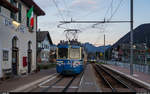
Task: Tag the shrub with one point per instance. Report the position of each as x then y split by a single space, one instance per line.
46 66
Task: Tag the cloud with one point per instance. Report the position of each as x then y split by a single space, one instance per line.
76 2
44 4
84 4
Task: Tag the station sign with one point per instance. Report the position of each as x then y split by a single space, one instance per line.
8 23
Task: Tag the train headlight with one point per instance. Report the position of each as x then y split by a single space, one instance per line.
78 63
75 64
59 63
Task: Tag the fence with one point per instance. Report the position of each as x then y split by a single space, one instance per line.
136 67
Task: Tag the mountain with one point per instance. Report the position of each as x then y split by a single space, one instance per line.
93 49
141 34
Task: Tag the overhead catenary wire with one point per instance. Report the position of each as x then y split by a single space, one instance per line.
116 10
112 13
61 14
67 11
73 26
66 6
110 6
59 11
107 11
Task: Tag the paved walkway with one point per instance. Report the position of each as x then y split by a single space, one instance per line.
15 83
139 75
88 81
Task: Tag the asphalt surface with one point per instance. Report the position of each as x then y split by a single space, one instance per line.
18 82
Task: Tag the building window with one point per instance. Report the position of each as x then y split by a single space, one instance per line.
43 46
27 20
19 14
39 45
43 55
14 42
29 44
0 8
5 55
12 14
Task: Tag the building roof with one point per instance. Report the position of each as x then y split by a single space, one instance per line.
41 35
37 9
8 5
28 3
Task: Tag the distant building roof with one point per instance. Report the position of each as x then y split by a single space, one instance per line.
41 35
37 9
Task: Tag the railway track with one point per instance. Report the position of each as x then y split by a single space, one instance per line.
112 82
59 83
133 85
61 79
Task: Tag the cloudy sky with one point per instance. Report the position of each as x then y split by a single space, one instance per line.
59 10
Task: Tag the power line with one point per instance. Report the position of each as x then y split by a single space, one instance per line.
116 10
112 13
59 11
66 6
108 9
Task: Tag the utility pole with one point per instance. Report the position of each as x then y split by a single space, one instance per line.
104 50
131 38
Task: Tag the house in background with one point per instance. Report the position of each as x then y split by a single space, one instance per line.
44 43
53 53
17 40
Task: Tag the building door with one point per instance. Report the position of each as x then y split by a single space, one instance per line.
15 61
29 57
29 60
15 58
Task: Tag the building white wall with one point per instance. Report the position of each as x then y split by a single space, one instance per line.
8 32
0 60
45 51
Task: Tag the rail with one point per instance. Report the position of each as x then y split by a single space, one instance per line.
108 78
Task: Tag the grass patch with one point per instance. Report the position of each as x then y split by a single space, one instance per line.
46 66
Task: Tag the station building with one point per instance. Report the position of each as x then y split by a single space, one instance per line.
17 40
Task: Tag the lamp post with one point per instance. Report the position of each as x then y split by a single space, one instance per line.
104 50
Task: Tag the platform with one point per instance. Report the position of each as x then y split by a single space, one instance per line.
88 81
137 77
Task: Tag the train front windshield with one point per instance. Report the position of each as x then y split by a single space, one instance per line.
62 53
75 53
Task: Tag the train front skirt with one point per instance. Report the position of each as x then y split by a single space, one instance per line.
69 67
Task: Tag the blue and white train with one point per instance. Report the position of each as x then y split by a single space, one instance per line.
69 59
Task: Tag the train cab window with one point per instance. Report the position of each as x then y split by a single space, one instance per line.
63 53
75 53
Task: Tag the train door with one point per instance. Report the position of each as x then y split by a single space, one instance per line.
59 66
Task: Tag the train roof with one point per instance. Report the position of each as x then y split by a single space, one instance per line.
68 46
63 46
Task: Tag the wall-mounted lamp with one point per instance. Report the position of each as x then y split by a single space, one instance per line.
16 23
